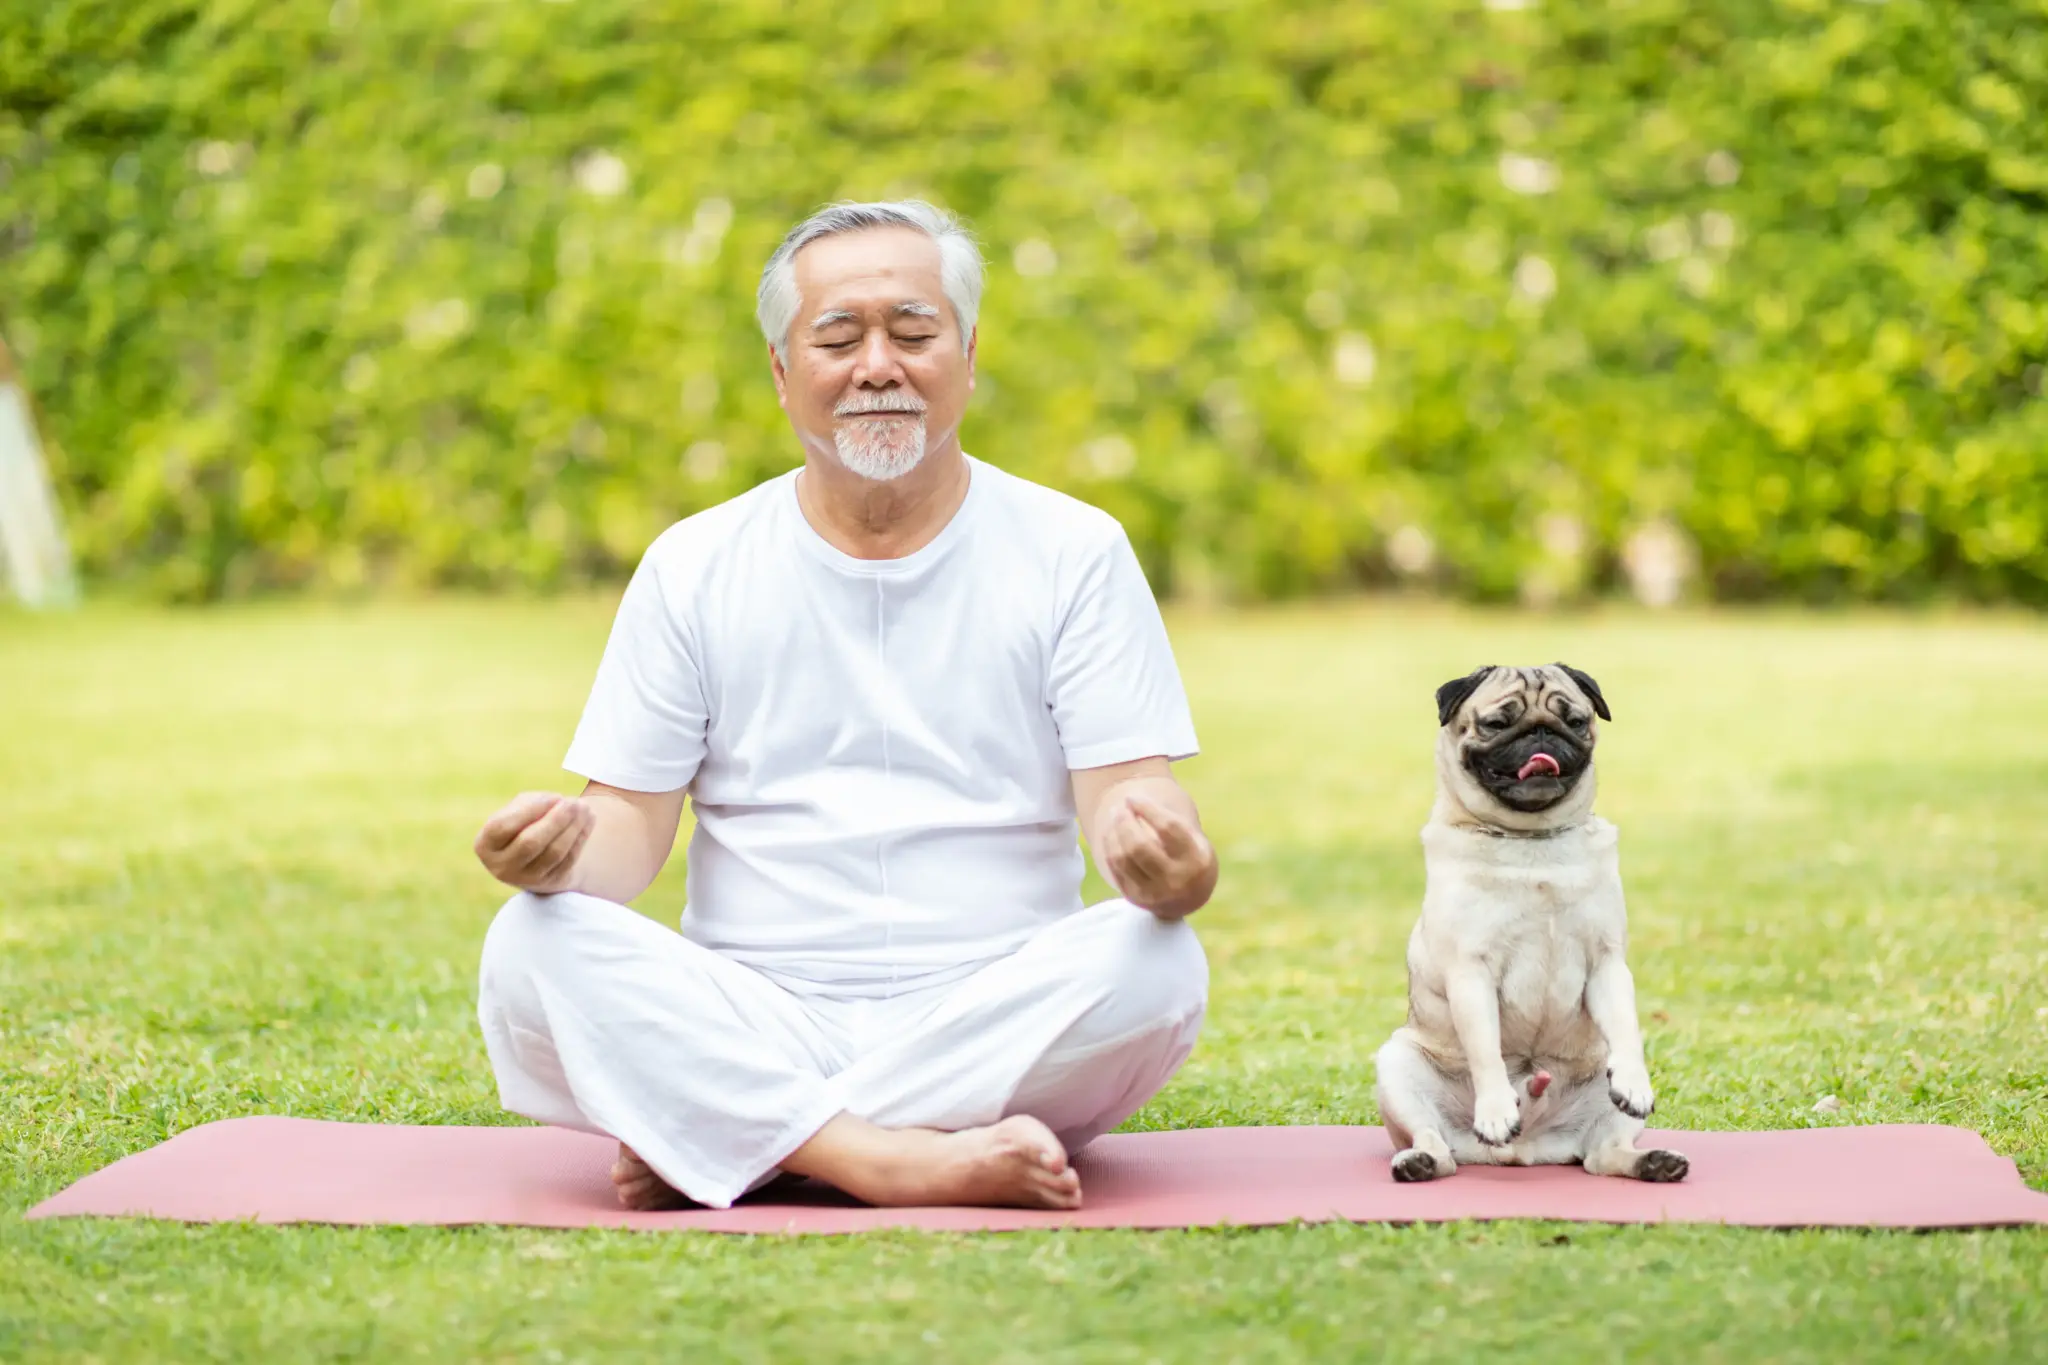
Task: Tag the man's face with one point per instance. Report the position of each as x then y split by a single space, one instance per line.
876 376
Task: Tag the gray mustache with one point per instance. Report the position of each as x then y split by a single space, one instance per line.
884 407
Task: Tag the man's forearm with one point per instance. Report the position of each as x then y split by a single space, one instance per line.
627 846
1165 791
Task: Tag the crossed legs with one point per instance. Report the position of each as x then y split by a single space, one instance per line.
715 1081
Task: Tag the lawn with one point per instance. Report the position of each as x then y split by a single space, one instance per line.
235 879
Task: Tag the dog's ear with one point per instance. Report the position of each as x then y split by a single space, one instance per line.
1452 694
1591 689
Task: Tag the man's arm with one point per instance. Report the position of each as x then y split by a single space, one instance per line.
629 843
1146 835
608 842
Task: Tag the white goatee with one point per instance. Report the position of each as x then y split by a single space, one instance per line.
880 448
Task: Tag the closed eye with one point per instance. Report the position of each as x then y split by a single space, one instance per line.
1568 713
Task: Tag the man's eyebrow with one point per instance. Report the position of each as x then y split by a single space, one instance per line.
832 316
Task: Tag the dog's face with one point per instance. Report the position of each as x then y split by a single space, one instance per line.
1517 743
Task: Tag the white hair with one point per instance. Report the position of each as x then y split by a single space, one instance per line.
960 264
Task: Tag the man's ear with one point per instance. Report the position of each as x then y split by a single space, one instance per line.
1452 694
1591 689
780 374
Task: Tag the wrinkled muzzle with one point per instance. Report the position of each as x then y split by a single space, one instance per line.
1529 770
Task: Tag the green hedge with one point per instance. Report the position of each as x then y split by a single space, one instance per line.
335 295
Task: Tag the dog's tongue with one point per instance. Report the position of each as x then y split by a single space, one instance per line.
1538 763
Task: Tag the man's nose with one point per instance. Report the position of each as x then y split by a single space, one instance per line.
878 365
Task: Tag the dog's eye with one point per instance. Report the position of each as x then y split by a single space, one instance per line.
1493 725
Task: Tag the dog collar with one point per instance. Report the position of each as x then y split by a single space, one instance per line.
1496 832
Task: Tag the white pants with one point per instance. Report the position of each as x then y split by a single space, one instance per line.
599 1019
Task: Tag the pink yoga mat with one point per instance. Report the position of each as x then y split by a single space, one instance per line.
281 1170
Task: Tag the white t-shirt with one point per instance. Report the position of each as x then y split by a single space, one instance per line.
877 751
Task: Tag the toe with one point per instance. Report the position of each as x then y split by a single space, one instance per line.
1662 1167
1634 1106
1061 1191
1414 1165
653 1196
1039 1139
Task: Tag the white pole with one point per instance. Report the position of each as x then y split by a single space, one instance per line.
38 558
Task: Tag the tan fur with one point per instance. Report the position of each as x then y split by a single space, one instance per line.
1518 965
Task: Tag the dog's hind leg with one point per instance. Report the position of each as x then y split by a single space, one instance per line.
1411 1095
1611 1150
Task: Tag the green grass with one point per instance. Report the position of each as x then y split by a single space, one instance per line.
235 879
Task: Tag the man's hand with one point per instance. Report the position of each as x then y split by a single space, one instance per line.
534 841
1155 857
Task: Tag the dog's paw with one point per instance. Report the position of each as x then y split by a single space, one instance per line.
1660 1167
1497 1119
1630 1091
1416 1165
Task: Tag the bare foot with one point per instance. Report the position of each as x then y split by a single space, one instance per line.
1016 1163
639 1187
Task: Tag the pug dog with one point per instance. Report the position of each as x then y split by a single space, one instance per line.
1521 1046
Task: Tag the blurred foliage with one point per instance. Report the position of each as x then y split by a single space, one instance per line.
1511 299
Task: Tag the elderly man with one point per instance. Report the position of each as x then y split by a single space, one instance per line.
890 682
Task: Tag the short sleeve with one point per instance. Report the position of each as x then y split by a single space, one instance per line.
1114 688
643 727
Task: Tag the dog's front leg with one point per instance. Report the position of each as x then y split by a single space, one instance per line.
1611 1000
1475 1013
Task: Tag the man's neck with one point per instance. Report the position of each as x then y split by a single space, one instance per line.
870 520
